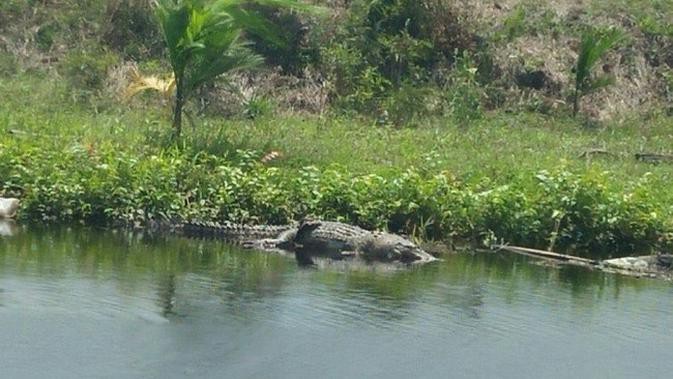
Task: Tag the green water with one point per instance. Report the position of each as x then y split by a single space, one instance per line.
101 304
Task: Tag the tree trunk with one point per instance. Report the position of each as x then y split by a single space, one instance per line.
177 112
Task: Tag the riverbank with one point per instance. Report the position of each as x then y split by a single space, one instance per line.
524 179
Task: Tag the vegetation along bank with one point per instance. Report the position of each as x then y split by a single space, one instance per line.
542 124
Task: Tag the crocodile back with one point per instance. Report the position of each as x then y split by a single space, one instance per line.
329 231
233 231
334 238
328 238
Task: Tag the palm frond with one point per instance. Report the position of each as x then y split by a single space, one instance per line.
204 41
140 83
595 43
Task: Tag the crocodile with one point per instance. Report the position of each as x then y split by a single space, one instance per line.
335 240
655 266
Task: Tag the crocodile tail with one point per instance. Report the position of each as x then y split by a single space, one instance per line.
232 231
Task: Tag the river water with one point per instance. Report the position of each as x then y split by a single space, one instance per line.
104 304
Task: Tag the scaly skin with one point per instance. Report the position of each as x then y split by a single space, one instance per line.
335 240
233 231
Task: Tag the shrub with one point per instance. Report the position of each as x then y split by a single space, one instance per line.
389 44
298 48
584 215
132 29
107 183
464 94
46 35
354 84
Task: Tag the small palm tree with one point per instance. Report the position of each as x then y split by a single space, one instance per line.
595 43
204 40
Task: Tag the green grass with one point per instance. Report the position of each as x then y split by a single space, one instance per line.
513 177
499 147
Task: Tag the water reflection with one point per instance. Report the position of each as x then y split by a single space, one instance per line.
179 268
212 310
8 228
166 295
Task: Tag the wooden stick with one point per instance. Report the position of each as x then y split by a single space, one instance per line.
545 254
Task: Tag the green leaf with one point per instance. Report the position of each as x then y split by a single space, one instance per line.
204 39
595 43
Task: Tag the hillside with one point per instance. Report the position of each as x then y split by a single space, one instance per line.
523 51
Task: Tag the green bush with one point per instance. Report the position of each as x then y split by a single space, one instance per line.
354 84
132 30
587 216
389 44
105 183
299 47
46 35
464 93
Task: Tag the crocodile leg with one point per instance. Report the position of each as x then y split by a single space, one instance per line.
284 242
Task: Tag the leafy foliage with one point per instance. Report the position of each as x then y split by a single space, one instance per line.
299 47
388 44
204 41
390 58
595 43
131 29
105 184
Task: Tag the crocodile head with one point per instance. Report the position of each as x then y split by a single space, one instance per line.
393 248
408 252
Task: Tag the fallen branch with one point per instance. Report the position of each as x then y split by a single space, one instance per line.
650 266
546 255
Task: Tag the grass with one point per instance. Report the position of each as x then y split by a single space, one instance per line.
498 147
514 177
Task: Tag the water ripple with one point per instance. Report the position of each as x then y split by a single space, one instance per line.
207 307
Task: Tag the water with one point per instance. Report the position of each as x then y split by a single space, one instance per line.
100 304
